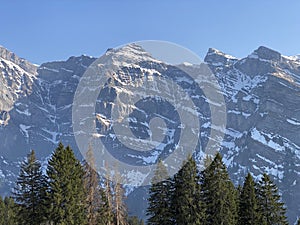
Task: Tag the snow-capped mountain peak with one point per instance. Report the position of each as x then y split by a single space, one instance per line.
132 52
217 58
265 53
22 63
214 51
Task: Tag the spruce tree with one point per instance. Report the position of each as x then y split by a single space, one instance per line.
186 201
30 191
159 202
238 197
66 197
270 205
218 194
248 207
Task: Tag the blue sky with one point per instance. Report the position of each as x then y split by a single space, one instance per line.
50 30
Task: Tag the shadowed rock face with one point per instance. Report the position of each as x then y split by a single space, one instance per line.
262 96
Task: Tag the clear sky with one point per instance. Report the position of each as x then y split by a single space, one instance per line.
50 30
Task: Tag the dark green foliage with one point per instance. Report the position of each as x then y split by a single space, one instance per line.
186 199
248 207
71 194
2 208
218 194
159 209
66 199
9 213
30 192
298 223
238 195
270 205
133 220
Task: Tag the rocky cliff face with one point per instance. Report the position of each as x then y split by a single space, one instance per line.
261 91
16 80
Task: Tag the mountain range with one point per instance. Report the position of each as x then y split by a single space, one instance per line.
261 92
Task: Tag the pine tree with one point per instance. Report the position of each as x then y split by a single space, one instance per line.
95 196
66 188
10 211
218 194
107 214
160 192
270 205
120 209
248 207
186 201
30 191
298 223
